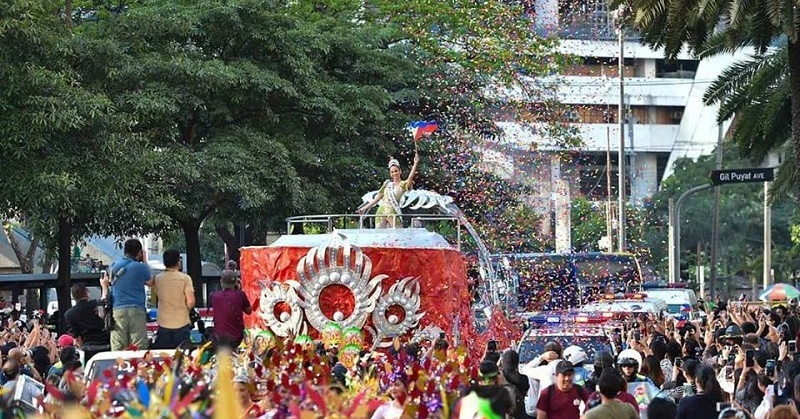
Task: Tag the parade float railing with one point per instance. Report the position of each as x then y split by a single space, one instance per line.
446 219
328 223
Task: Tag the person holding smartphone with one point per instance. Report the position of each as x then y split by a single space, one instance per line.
748 394
84 324
704 403
129 276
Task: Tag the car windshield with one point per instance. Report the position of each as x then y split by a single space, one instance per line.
675 308
533 345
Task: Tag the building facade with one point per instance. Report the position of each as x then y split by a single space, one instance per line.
665 117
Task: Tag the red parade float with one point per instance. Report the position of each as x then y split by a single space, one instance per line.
408 282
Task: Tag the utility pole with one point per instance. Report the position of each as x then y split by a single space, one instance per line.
609 200
675 230
715 221
767 238
673 271
621 120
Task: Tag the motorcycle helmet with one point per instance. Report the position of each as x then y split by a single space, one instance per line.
629 357
575 354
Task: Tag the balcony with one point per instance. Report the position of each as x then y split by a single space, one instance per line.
646 137
639 91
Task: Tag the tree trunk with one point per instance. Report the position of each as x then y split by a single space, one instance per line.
68 13
242 236
194 263
230 240
25 258
64 270
794 96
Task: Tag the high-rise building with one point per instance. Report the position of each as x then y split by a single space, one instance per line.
665 117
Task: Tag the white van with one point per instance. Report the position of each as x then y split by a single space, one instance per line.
681 302
613 306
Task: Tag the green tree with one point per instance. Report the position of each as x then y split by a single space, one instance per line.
211 246
756 92
711 27
588 223
252 106
741 219
66 147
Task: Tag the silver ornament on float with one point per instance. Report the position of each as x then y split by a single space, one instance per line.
406 295
320 268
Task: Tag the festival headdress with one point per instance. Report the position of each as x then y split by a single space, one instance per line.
394 162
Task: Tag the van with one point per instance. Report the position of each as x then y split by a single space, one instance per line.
681 302
627 304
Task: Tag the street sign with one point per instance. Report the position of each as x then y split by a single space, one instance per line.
728 176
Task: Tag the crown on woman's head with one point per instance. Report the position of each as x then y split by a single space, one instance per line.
394 162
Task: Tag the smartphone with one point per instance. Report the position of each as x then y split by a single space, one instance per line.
792 346
723 406
688 390
637 335
678 362
731 358
770 367
729 373
748 358
492 346
441 335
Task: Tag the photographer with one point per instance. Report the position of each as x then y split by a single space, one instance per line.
130 275
83 322
229 307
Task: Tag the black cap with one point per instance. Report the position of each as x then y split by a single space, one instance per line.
488 369
564 367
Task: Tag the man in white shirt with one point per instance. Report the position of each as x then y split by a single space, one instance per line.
540 374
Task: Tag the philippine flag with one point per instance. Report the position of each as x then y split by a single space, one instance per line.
422 128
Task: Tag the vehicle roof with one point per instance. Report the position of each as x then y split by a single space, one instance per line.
669 294
569 330
417 238
131 354
648 303
571 256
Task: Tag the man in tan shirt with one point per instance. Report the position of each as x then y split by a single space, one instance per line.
174 293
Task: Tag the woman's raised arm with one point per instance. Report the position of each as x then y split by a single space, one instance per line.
413 171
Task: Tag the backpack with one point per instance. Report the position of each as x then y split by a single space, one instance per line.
518 397
106 307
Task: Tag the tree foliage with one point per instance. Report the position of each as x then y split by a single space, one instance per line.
68 169
741 224
762 90
252 107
